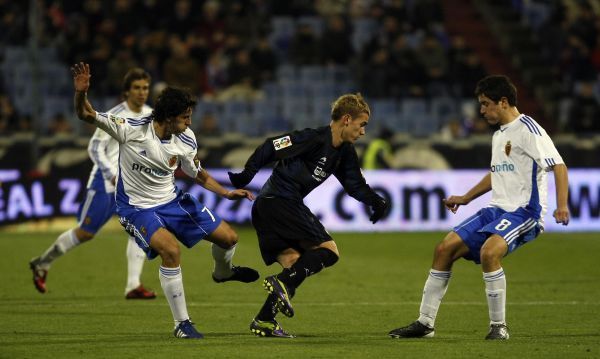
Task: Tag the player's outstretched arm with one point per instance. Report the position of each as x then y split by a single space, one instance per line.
81 82
204 179
453 202
561 180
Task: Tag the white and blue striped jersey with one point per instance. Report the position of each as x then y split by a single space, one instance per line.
146 163
522 154
104 151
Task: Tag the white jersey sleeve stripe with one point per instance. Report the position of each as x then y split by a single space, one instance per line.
531 127
534 124
187 141
190 139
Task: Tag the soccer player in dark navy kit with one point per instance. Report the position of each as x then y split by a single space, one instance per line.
288 232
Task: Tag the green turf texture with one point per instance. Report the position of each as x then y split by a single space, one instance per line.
343 312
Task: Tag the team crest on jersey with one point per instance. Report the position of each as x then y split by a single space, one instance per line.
87 220
282 142
117 120
143 230
507 148
172 161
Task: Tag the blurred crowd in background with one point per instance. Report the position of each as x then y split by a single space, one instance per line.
269 65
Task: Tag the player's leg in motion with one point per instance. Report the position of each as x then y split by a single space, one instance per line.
445 254
264 324
171 281
224 240
135 263
492 252
65 242
283 285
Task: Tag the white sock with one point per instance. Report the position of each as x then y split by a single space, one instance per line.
135 262
222 259
495 290
172 284
64 243
433 293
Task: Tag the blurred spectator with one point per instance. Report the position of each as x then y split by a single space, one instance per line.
59 125
8 115
209 126
335 44
265 60
181 70
24 125
432 57
408 79
304 47
215 74
584 115
378 154
466 73
117 68
182 21
211 27
377 75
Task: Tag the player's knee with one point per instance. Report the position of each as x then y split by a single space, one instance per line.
442 250
83 236
230 239
328 257
489 256
170 254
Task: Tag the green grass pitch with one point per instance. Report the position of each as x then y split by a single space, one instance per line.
345 311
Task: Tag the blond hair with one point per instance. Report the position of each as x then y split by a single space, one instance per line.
351 104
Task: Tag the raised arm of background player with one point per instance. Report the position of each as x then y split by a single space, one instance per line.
348 172
85 112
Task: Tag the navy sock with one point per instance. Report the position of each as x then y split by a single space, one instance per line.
311 262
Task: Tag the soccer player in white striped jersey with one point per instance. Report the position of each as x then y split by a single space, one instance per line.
99 204
522 154
150 206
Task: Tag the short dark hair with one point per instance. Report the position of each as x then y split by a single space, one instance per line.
172 102
495 87
352 104
135 74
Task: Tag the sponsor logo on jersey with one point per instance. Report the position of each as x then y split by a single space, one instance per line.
117 120
172 161
322 160
143 153
141 168
507 148
282 142
503 167
319 174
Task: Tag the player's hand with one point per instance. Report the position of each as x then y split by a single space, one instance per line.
562 215
239 180
380 208
81 76
239 193
453 202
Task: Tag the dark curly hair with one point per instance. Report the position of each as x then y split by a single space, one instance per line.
172 102
497 86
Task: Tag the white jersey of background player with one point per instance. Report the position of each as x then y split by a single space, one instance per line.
99 203
150 206
522 153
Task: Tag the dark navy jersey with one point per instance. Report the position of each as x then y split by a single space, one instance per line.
305 159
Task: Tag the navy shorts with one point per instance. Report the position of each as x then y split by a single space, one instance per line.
282 223
96 210
189 220
517 228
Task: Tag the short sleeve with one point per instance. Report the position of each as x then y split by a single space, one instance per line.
117 127
541 148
